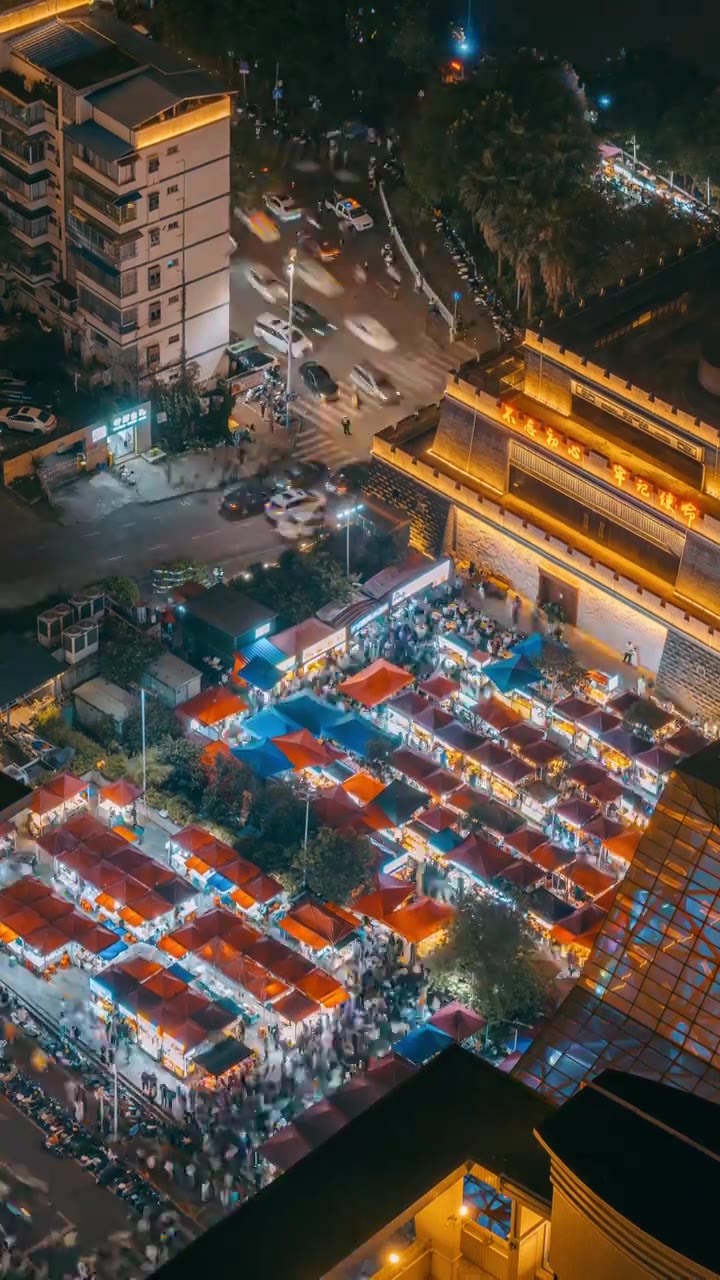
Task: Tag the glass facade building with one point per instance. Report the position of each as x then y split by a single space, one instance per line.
648 999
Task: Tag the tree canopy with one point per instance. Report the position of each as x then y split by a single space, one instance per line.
298 585
126 652
488 961
334 865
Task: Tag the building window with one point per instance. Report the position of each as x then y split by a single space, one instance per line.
153 355
172 262
154 238
153 202
153 164
175 338
154 278
174 297
172 151
171 191
173 226
155 313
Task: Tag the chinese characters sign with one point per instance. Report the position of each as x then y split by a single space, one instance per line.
681 509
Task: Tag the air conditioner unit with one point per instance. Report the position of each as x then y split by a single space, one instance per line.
52 623
89 604
80 640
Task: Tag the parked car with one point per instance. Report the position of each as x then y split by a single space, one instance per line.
247 500
28 418
318 381
276 333
374 383
290 501
265 282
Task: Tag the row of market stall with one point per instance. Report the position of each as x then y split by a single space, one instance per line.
45 932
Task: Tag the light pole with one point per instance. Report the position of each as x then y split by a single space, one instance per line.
115 1100
142 726
456 298
347 516
291 277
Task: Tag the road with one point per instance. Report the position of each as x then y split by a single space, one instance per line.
47 560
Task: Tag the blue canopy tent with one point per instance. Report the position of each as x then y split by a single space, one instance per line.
531 646
113 951
512 674
307 711
263 757
399 801
261 674
422 1044
270 723
220 883
355 733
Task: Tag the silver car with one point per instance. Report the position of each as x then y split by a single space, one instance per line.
374 383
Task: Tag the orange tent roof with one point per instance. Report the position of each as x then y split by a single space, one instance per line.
588 877
295 1007
422 919
303 750
120 793
212 706
625 845
380 904
191 839
363 787
581 928
378 682
320 986
210 755
317 924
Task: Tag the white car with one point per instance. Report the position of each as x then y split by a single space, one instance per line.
316 276
300 526
263 281
276 333
24 417
259 223
371 331
350 212
290 502
282 207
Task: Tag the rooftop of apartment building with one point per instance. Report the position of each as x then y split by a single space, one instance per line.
134 79
642 1148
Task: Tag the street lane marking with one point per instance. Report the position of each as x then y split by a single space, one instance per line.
108 559
211 533
129 525
95 534
157 546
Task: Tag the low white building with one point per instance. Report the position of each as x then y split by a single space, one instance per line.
100 704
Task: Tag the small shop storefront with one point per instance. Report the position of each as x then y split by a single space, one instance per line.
126 434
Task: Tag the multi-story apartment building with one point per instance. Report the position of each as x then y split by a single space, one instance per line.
114 160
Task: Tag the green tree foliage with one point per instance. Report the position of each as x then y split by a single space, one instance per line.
187 776
191 416
124 591
488 962
299 585
125 652
160 723
334 865
229 797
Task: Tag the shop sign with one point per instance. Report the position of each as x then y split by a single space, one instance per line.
681 509
431 578
334 641
98 434
133 418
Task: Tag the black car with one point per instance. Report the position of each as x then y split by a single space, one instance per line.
309 320
318 381
247 500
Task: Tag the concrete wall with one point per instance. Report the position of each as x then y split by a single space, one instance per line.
611 622
690 676
699 575
470 442
428 511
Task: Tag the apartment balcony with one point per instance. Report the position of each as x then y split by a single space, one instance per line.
111 283
98 239
27 112
89 198
28 153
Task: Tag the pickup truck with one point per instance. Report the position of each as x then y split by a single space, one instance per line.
350 212
248 365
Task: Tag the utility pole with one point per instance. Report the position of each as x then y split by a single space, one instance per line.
115 1100
183 285
142 724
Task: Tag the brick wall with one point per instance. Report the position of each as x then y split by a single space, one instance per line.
699 575
690 675
428 511
470 442
547 382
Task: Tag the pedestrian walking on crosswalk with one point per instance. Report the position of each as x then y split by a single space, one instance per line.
346 426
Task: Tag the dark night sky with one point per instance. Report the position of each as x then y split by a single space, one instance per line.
581 29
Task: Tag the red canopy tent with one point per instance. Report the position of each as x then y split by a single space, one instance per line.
295 1007
551 857
439 687
363 787
625 846
285 1147
496 714
320 1122
437 817
457 1021
420 920
586 774
576 813
83 825
303 750
120 793
383 901
377 683
523 735
525 840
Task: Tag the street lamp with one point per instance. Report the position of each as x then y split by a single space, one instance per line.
291 276
347 516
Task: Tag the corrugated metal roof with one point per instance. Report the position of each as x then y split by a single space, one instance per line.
55 43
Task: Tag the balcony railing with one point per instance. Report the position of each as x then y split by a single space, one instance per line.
24 150
119 321
90 236
121 214
120 175
25 117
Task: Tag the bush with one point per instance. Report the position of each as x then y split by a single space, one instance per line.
177 809
50 725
